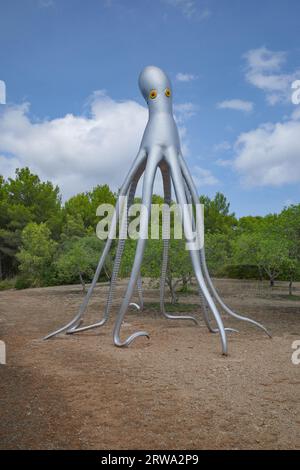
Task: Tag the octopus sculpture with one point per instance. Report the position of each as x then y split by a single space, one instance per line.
159 149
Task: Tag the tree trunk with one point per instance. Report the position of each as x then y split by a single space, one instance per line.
291 287
184 284
107 274
82 282
186 280
173 294
271 282
172 289
1 272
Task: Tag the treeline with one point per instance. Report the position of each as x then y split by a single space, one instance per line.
44 242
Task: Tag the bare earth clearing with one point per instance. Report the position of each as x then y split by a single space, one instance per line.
173 391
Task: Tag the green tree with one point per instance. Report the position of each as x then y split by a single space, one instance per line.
79 258
217 217
218 250
179 268
84 205
73 227
41 199
25 199
5 238
266 251
37 255
79 206
249 224
289 223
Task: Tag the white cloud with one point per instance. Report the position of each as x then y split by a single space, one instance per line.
237 105
265 60
222 146
288 202
45 3
78 152
2 92
184 111
224 163
296 114
204 14
190 9
186 77
263 70
75 152
270 154
203 177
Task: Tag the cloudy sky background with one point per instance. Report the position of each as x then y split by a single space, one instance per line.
74 114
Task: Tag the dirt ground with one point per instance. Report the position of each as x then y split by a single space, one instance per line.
174 391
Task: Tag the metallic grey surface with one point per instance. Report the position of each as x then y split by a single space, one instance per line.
202 298
191 186
223 305
135 305
140 291
167 200
73 324
172 157
117 261
160 148
150 171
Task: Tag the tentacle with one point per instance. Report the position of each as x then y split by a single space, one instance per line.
223 305
113 281
121 243
133 304
202 298
166 241
148 182
192 188
206 317
77 319
140 294
172 158
140 291
120 248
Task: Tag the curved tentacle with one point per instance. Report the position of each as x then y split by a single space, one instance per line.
223 305
139 286
140 292
77 319
206 317
148 182
166 241
135 305
192 188
202 298
121 244
172 158
118 257
113 280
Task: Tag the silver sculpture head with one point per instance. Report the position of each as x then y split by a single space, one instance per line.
156 88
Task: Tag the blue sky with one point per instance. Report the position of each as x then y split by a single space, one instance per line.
74 113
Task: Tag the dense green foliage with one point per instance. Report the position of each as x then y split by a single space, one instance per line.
44 242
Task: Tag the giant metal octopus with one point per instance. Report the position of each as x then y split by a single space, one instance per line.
160 148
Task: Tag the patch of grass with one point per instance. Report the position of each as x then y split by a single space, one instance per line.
180 307
7 284
186 292
22 283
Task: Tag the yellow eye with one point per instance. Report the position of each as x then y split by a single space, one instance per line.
168 92
153 94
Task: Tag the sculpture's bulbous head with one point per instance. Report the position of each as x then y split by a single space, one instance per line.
156 88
